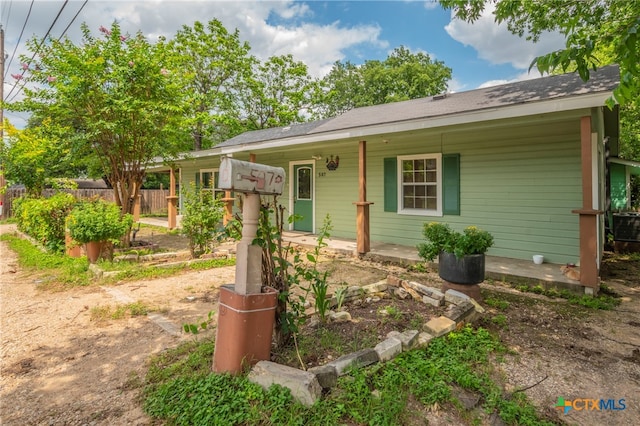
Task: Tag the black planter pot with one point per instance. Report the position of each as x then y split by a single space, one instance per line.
468 269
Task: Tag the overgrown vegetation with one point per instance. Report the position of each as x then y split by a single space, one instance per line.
180 389
136 271
201 220
60 272
43 219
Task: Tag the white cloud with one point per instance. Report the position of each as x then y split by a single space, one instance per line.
496 44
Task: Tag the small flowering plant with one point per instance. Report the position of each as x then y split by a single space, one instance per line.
440 237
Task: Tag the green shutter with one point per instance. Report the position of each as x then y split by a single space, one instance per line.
197 180
451 184
390 184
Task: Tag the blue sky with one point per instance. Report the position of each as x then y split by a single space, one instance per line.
315 32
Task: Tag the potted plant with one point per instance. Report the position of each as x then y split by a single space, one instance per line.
460 255
95 223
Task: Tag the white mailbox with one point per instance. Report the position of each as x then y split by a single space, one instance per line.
243 176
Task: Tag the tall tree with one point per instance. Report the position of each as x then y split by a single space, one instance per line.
278 93
35 156
590 26
114 94
401 76
211 63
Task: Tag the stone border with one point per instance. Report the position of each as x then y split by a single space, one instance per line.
306 386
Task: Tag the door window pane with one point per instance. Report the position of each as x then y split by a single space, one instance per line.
304 183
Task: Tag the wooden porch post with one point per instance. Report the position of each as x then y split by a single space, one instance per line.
362 205
172 200
588 215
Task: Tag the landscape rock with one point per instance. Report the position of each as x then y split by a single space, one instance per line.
358 359
433 302
463 311
304 386
326 374
455 296
393 281
375 287
388 349
410 290
423 339
401 293
341 316
439 326
409 338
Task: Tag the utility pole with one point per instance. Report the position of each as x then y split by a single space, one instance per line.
2 180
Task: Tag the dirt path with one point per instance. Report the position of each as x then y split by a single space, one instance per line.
58 367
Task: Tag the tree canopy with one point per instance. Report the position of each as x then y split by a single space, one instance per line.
212 65
115 96
401 76
589 27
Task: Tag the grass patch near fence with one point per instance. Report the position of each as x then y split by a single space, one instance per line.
179 389
55 271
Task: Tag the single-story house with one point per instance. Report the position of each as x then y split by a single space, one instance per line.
524 161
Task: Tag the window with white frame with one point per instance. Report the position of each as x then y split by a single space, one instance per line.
420 184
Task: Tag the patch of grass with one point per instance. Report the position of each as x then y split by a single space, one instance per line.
135 271
180 390
494 302
62 272
500 320
606 300
102 313
390 312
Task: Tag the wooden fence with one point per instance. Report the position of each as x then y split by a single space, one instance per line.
153 201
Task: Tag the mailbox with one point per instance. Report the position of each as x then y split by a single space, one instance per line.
254 178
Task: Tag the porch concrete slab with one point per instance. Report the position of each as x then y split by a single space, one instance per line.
497 268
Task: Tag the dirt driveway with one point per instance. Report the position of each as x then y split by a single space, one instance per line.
58 367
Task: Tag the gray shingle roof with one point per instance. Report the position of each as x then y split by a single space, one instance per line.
522 92
299 129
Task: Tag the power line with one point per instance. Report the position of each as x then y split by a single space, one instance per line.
74 18
6 71
36 52
8 13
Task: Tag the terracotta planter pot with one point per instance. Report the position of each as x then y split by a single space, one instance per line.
245 328
93 249
467 270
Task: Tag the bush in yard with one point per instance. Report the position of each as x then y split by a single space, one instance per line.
43 219
98 220
201 218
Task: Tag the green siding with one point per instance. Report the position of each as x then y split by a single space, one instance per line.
618 179
518 180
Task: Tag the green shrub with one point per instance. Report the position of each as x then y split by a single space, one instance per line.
440 237
98 220
43 219
201 218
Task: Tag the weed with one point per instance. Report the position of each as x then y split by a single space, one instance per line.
497 303
500 320
607 300
340 294
390 312
102 313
